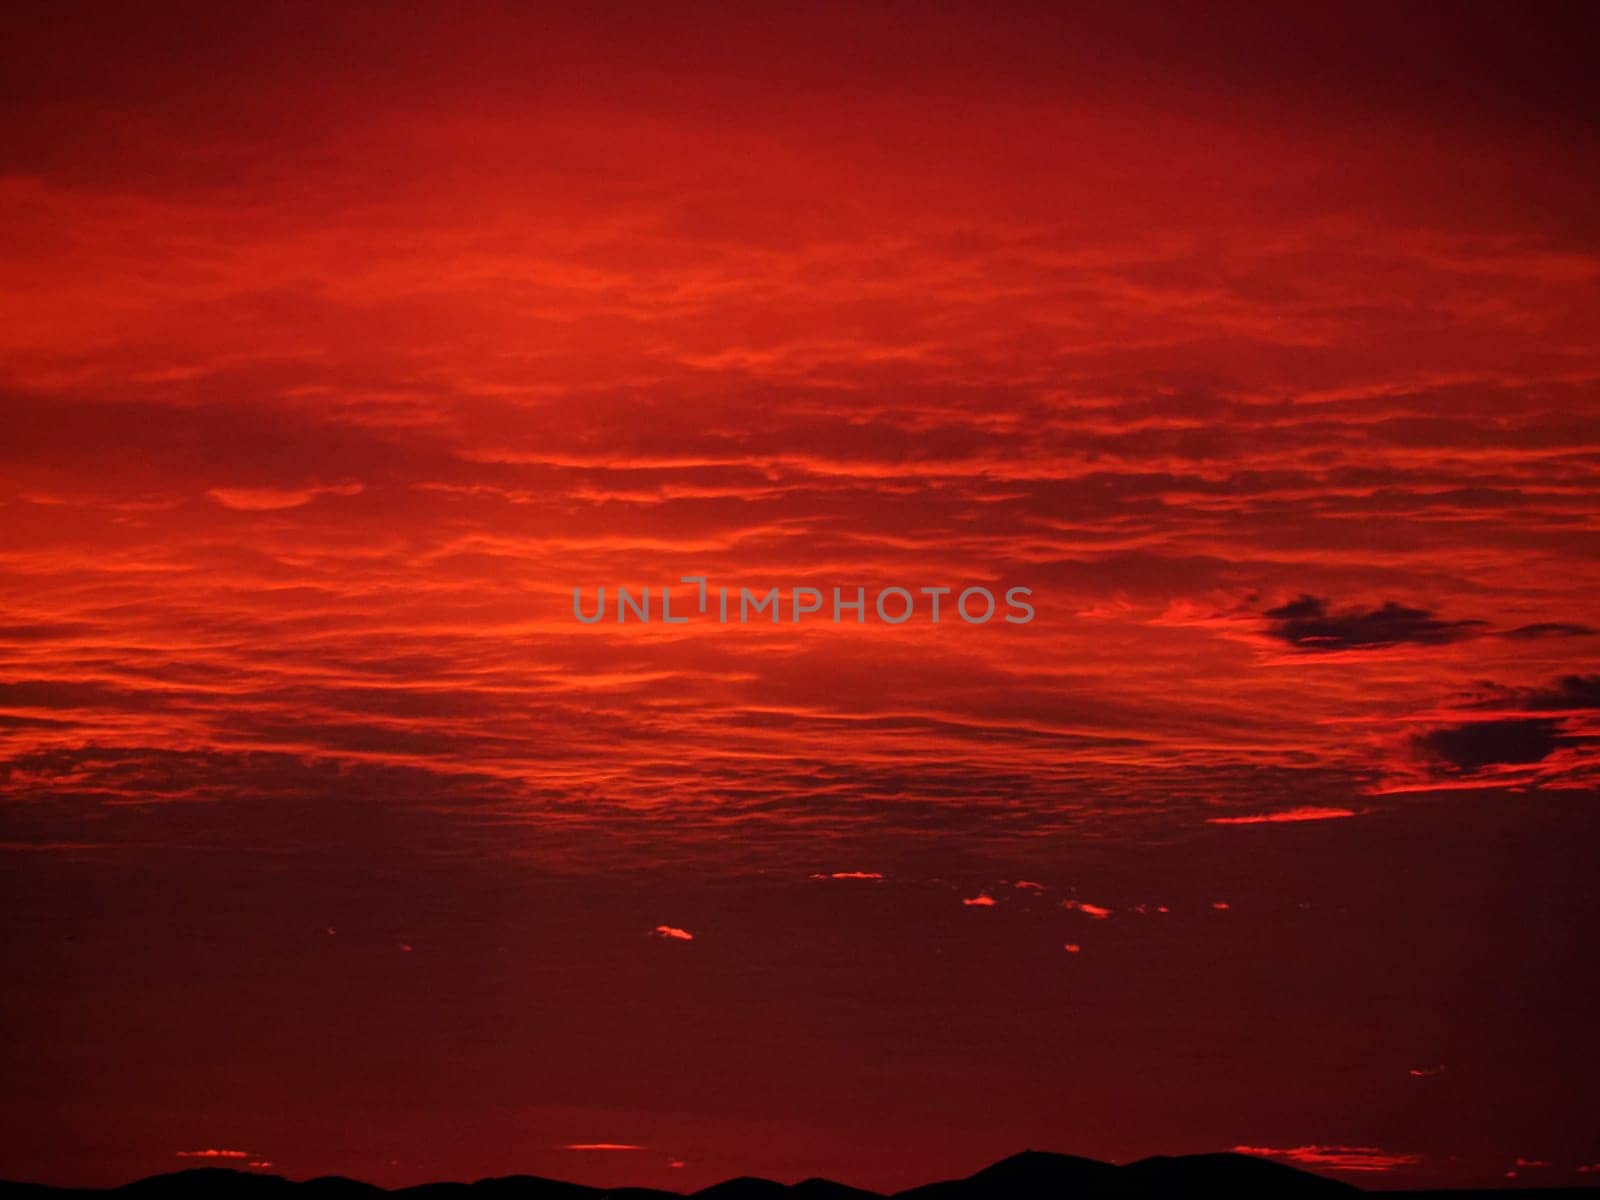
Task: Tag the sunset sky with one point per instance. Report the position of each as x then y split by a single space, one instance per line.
339 343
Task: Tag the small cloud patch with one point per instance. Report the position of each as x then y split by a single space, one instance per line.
1089 910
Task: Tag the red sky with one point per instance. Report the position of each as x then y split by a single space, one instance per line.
341 343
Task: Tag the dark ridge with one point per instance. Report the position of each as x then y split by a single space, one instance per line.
1031 1175
827 1189
1228 1175
743 1188
209 1181
515 1187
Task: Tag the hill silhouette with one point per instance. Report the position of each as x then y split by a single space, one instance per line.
1031 1175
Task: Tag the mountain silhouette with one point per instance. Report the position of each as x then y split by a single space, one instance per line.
1031 1175
1227 1175
1026 1176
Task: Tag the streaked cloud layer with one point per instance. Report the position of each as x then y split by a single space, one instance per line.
329 374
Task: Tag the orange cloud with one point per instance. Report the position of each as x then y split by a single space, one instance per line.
275 499
850 875
673 933
1088 910
981 900
213 1154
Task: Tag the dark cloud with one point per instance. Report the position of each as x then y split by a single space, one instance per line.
1550 629
1567 695
1570 691
1482 744
1517 727
1309 624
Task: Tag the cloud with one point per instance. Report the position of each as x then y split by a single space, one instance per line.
1529 736
890 334
981 900
673 933
1072 948
1337 1158
849 875
275 499
603 1146
1028 885
1481 744
1309 624
1285 816
1574 692
1221 905
1550 629
1088 910
1426 1072
214 1154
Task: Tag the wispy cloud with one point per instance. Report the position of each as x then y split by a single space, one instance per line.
276 499
1361 1159
1287 816
601 1146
